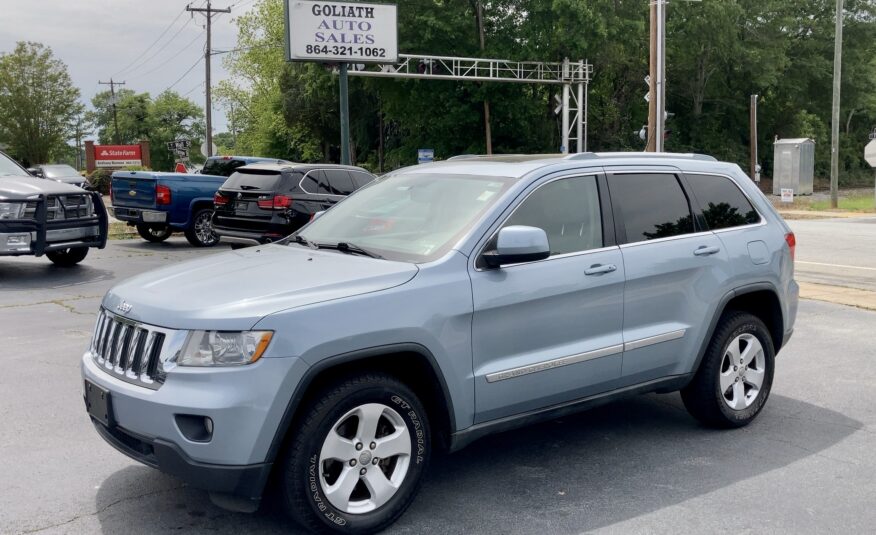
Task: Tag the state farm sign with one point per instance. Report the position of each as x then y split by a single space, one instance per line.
115 156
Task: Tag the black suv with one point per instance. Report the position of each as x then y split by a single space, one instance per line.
266 202
42 217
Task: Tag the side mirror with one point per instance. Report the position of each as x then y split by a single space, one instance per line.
35 172
517 244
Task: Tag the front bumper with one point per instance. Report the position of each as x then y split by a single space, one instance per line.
245 404
39 235
243 481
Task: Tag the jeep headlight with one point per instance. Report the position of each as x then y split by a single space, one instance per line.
223 348
11 210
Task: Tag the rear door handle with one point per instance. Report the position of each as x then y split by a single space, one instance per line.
600 269
706 250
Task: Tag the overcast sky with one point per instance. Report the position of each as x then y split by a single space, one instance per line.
99 39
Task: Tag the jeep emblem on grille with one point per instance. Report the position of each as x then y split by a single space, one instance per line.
124 307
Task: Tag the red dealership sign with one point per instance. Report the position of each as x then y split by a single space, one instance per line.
115 156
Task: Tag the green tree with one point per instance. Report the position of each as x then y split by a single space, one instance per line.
38 103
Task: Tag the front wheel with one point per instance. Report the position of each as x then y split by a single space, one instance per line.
200 233
154 233
736 374
357 459
68 257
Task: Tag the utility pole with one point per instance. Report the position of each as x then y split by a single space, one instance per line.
345 115
113 100
208 112
660 84
487 129
652 82
834 121
753 135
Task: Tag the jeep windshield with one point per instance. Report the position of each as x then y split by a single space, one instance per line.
407 217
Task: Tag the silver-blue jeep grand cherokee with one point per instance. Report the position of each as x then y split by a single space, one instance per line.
441 303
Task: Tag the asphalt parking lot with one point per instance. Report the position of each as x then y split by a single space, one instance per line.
643 465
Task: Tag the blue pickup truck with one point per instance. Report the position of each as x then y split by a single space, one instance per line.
159 204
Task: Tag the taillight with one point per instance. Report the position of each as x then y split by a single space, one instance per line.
162 194
277 202
791 240
220 200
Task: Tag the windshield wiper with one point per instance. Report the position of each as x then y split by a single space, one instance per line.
350 248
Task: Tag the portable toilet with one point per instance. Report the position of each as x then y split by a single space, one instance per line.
793 165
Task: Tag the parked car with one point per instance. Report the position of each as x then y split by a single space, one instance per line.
159 204
59 173
262 203
41 217
434 306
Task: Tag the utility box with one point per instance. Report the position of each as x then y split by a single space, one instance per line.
793 165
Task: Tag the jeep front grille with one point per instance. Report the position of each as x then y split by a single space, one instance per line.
128 350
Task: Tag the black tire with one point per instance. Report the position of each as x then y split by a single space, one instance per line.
154 233
200 233
68 257
704 398
302 495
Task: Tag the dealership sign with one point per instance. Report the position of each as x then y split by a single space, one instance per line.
115 156
341 32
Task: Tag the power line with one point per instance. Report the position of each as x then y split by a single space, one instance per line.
165 62
190 91
165 45
178 80
153 43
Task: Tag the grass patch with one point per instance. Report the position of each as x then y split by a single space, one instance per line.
847 204
121 231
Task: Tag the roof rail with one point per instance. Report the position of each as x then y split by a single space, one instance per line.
668 155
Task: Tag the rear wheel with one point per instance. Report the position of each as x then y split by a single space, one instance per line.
153 233
357 458
736 375
68 257
200 233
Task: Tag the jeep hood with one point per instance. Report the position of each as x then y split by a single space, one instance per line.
234 290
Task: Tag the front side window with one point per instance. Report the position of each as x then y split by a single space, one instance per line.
409 217
651 206
568 211
723 204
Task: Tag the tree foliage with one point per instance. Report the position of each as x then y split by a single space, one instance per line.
140 117
38 103
719 53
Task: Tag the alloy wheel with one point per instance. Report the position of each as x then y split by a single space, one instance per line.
742 370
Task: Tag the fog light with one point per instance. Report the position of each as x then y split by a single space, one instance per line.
195 427
18 239
208 425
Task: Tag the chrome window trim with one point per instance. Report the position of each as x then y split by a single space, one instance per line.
301 185
666 239
583 357
505 219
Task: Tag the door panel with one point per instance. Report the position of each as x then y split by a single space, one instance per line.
531 315
670 293
548 332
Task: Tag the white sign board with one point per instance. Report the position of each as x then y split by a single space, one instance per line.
787 195
341 32
425 155
870 153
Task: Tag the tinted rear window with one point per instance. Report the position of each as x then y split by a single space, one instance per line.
360 178
652 206
253 180
221 167
723 204
340 182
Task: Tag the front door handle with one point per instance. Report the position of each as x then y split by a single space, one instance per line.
705 250
600 269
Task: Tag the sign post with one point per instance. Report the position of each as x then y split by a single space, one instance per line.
342 33
787 195
870 156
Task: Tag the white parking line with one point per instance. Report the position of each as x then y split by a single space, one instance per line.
836 265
